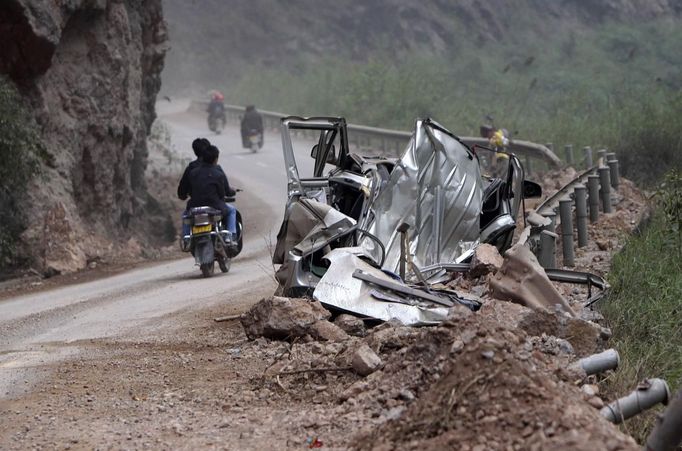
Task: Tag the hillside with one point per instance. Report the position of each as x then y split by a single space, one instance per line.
587 73
215 41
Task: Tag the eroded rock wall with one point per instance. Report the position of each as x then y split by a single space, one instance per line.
91 71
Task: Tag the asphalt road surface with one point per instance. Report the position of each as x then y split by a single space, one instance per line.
38 330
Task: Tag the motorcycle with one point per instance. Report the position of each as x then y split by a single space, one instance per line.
254 139
208 241
216 123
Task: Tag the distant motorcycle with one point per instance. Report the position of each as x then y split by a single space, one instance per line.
216 123
207 240
254 139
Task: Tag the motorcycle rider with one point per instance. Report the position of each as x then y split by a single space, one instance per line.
209 187
252 120
499 141
199 145
216 107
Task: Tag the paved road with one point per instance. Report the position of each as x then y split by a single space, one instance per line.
39 329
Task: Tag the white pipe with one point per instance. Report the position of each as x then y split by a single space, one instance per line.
598 363
648 393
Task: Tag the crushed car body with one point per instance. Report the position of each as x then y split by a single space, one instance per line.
360 216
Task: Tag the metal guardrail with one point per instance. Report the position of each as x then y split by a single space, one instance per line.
552 202
387 140
573 200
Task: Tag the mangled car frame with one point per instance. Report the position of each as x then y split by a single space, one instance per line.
355 226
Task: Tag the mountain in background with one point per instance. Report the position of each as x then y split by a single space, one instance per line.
215 42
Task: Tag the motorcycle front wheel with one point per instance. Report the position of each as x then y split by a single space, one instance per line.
207 269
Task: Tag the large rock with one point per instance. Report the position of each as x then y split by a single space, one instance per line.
285 318
365 361
487 259
352 325
90 70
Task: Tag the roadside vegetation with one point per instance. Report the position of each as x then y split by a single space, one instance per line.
644 307
20 152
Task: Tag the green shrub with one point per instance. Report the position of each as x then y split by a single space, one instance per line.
20 153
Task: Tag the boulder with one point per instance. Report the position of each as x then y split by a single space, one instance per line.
365 361
283 318
486 260
352 325
326 331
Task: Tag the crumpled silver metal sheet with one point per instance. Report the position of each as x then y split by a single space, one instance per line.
437 189
338 288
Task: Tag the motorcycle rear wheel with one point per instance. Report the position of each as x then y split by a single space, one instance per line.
207 269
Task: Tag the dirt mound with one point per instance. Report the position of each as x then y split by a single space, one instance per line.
482 386
487 380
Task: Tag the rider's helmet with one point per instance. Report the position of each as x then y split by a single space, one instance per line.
217 96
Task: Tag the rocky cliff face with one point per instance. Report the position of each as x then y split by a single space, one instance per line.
90 69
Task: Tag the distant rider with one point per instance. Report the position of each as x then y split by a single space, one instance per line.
209 187
499 141
252 120
216 107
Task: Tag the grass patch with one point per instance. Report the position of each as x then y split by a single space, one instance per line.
644 309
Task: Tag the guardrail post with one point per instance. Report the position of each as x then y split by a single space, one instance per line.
593 192
601 155
566 217
605 188
528 168
610 156
615 173
589 162
581 213
568 150
547 257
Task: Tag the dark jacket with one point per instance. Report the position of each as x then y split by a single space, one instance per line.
184 188
216 108
229 192
252 120
207 187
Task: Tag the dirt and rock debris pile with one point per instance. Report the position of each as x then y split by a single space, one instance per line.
496 379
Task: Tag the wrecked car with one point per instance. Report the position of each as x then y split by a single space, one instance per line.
385 215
